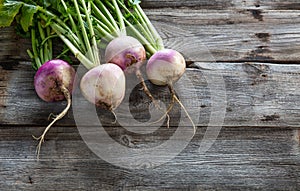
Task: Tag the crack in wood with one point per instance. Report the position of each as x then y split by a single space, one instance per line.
264 37
274 117
257 14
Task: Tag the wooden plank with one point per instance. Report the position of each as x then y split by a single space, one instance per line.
236 34
240 159
248 94
231 35
10 44
222 4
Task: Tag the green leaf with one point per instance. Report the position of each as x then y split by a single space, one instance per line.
8 11
28 12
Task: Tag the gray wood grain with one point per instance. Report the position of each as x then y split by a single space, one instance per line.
231 35
240 159
223 4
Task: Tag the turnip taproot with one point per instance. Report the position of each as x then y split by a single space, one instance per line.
54 77
165 66
75 26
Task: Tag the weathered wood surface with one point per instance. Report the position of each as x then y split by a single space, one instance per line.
243 58
241 159
240 31
224 4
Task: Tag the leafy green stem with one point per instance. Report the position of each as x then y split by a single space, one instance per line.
34 49
83 59
73 25
49 39
63 28
120 18
103 18
142 39
105 11
146 20
141 25
84 33
94 47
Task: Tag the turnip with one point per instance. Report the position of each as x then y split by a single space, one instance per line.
54 82
104 86
54 78
164 68
125 51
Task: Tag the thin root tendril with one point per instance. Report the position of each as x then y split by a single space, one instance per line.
166 114
51 116
182 106
57 117
115 116
186 112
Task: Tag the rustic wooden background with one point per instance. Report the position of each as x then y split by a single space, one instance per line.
253 45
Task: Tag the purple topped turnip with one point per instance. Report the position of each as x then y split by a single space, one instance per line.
125 51
165 67
104 86
54 82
